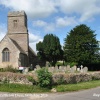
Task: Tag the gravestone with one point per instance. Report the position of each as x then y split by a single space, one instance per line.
47 64
65 68
81 68
61 69
72 70
85 69
75 68
68 68
25 71
38 67
56 69
51 69
78 69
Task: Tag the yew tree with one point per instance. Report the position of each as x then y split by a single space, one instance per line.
81 45
50 49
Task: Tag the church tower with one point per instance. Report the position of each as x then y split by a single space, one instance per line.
14 47
17 29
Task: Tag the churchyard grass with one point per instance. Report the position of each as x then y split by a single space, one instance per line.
20 88
78 86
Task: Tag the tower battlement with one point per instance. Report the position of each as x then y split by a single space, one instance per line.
17 22
16 13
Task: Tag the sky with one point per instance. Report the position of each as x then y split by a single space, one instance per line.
52 16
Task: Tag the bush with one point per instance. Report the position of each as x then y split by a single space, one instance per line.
32 80
44 78
59 63
71 63
9 69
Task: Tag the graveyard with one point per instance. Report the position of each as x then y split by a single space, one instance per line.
60 79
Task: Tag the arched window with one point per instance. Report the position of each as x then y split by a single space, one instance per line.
15 23
5 55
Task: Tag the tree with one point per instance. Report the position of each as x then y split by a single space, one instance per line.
50 49
81 45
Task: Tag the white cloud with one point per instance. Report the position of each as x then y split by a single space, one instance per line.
39 23
2 31
33 39
85 8
34 8
59 22
65 21
48 27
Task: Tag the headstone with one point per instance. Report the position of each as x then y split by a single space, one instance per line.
75 67
81 68
47 64
72 70
68 68
56 69
51 69
78 69
38 67
85 69
25 71
61 69
65 68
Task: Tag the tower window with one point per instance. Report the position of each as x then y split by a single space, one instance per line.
6 55
15 23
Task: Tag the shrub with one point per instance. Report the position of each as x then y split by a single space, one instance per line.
71 63
59 63
31 79
9 68
44 78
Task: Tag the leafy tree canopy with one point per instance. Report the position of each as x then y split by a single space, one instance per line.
50 49
81 45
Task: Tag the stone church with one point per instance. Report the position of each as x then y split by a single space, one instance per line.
14 47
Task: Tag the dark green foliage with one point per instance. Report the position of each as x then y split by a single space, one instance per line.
81 46
44 78
31 79
71 63
59 63
50 49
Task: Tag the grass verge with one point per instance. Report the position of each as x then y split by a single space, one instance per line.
19 88
78 86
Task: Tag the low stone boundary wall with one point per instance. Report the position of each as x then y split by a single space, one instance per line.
61 78
9 77
57 78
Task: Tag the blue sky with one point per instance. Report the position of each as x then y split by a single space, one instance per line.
52 16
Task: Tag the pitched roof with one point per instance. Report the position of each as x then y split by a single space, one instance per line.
32 51
14 43
18 47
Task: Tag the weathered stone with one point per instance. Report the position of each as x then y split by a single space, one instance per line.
37 67
56 69
81 68
51 69
85 69
53 90
17 42
68 68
